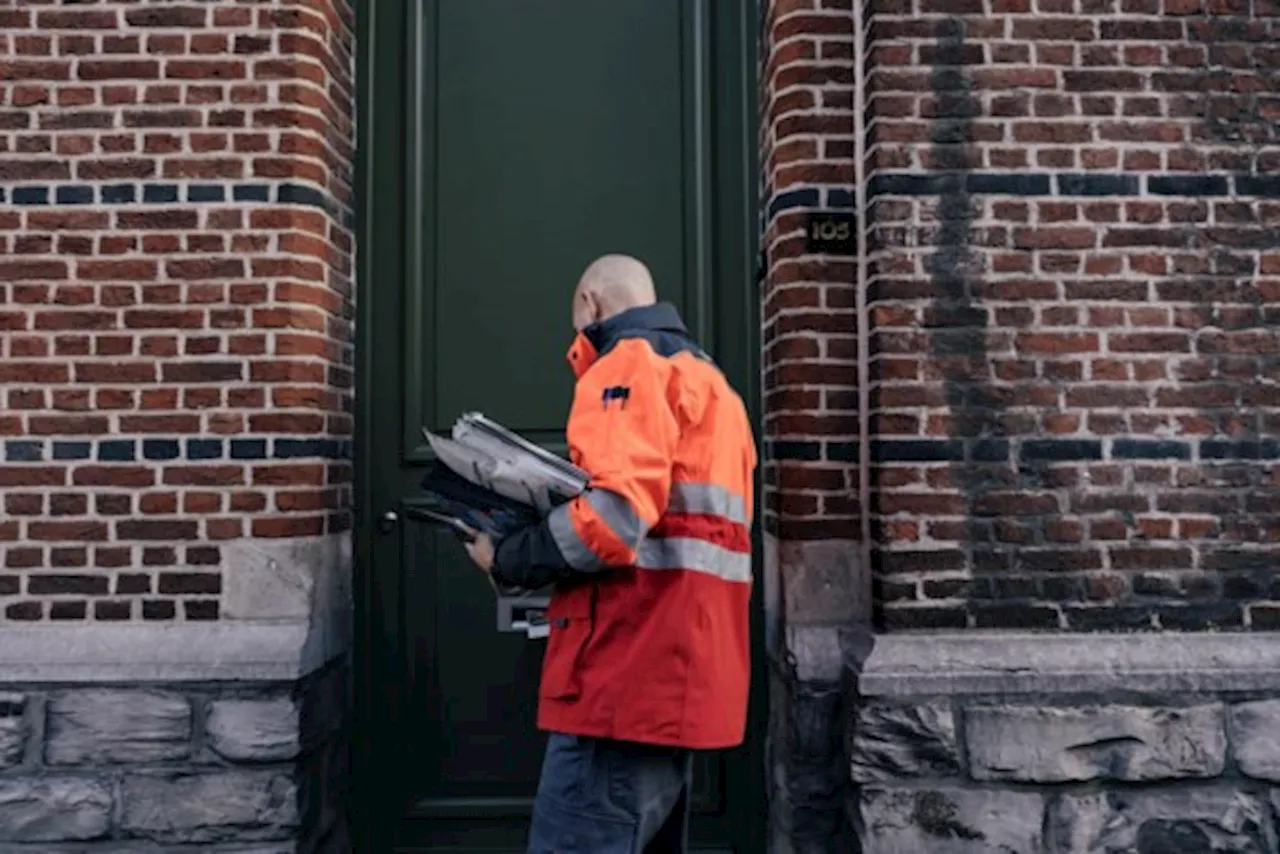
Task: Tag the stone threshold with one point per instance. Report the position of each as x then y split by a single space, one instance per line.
991 662
173 652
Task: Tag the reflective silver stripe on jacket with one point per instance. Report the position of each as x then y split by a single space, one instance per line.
575 551
696 556
617 512
707 499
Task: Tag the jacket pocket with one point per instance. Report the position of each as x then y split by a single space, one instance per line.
569 615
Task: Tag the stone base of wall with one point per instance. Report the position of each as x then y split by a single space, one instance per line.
1092 745
245 767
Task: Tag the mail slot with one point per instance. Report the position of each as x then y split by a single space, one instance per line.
524 614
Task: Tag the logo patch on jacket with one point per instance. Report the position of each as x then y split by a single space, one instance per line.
619 393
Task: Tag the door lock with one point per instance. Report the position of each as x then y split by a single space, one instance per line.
388 521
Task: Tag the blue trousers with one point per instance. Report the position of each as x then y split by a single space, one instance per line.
597 796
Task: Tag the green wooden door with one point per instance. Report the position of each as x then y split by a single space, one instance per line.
506 143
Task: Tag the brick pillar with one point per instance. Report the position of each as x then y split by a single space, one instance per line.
815 572
1073 326
175 299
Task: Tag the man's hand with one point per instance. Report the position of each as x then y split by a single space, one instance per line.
481 551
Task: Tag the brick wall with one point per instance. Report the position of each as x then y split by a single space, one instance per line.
809 307
1075 237
175 296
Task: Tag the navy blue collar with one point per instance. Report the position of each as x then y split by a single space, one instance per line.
659 317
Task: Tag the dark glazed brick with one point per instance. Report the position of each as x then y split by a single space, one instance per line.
24 611
159 556
9 585
795 451
156 529
133 583
1062 449
159 193
917 451
30 195
1265 186
840 198
159 609
924 561
248 449
1057 560
1097 185
160 449
301 194
68 610
841 452
295 448
1011 616
72 450
898 619
1188 185
1245 450
1265 618
1150 449
204 449
117 451
252 193
805 198
118 194
200 609
1218 560
206 193
1108 618
74 195
1201 617
113 611
1012 184
947 588
199 583
989 451
23 452
53 585
203 556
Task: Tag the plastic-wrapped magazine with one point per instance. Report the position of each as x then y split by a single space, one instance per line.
493 457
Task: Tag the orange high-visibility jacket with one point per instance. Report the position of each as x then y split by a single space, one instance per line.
652 564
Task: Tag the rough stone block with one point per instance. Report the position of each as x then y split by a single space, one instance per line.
951 820
892 741
1255 738
1195 821
49 809
1053 745
254 730
223 807
105 726
13 729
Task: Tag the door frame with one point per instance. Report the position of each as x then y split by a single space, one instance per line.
380 207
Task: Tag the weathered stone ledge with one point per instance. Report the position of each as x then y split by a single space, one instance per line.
1008 663
232 649
1006 743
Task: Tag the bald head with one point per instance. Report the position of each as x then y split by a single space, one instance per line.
610 285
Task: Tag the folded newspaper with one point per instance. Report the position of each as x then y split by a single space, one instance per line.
487 478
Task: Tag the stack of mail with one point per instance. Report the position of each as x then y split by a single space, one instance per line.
490 456
486 478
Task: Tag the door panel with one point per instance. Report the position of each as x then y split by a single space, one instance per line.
543 135
531 137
